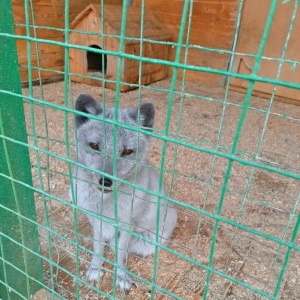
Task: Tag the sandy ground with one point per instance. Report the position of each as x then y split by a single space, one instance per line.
261 200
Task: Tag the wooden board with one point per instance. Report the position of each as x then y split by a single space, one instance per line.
49 13
50 73
212 25
251 30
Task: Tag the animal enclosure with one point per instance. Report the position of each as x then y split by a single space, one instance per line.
225 148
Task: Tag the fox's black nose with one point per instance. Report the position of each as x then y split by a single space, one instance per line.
105 181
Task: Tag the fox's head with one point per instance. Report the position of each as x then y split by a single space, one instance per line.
96 144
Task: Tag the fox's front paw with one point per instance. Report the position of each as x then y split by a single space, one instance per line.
93 273
124 282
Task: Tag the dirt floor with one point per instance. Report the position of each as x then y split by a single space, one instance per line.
262 201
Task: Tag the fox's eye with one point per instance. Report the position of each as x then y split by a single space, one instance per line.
127 151
94 146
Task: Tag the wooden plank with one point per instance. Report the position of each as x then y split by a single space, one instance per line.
150 50
200 77
44 74
265 95
211 13
76 66
42 48
45 34
203 59
89 81
46 60
148 71
251 29
134 78
37 82
147 68
131 63
49 13
212 25
206 35
113 18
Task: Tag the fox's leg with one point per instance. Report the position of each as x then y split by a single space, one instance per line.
140 246
124 281
169 224
94 271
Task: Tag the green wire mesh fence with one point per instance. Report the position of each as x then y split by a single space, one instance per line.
230 162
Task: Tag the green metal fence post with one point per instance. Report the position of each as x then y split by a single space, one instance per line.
21 269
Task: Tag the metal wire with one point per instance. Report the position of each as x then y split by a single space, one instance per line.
280 244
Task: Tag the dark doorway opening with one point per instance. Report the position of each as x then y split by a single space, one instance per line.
97 62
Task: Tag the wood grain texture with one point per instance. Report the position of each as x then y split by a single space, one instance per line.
212 25
51 14
90 20
250 34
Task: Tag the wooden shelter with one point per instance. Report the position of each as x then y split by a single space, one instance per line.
88 63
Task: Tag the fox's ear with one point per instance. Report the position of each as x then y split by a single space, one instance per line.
147 114
87 104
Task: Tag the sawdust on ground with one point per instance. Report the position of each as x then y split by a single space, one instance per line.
258 199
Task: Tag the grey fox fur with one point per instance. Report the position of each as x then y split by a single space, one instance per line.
137 210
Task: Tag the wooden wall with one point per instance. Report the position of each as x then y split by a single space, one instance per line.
213 25
48 13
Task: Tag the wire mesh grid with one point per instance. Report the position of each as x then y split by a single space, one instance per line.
230 163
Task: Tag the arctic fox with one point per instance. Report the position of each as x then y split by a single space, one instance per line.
136 208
